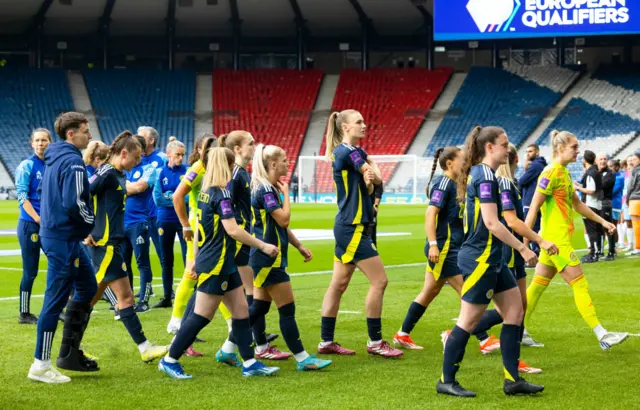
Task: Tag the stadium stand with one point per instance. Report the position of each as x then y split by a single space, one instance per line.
29 99
126 99
517 100
393 102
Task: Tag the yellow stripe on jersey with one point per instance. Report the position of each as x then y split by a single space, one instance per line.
358 217
106 261
476 213
480 270
437 270
350 252
261 277
105 237
216 269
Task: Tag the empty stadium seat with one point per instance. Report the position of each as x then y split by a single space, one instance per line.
274 105
127 99
29 99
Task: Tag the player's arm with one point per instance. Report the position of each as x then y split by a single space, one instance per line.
376 171
23 179
489 213
75 193
585 211
162 199
295 242
513 222
282 215
225 210
590 187
430 228
180 206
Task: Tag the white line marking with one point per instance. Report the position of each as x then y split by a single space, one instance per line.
634 334
346 312
41 296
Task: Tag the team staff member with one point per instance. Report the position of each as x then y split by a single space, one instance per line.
557 199
633 199
155 159
28 176
591 187
109 191
608 183
169 177
66 220
528 181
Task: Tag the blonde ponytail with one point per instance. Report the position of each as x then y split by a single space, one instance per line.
504 170
559 138
96 149
334 130
261 158
218 172
174 144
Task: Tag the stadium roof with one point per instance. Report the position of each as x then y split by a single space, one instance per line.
212 18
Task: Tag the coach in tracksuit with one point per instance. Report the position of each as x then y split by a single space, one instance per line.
66 220
28 177
528 183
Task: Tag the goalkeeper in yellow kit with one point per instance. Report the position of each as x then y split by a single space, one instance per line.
556 198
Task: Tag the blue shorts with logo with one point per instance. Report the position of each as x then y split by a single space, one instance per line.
268 276
108 261
220 284
481 283
352 244
242 254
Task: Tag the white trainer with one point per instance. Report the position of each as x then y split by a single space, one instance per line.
174 325
611 339
47 375
527 340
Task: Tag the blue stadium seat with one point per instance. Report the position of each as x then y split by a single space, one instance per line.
127 99
29 99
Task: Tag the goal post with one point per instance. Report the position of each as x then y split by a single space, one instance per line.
404 179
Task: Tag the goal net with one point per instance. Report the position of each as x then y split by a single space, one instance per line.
404 179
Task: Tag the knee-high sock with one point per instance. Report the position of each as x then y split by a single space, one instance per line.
183 293
187 334
414 314
489 319
132 324
289 328
454 353
242 335
510 347
374 328
257 311
538 285
327 328
580 288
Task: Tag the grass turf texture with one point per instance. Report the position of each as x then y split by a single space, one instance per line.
576 372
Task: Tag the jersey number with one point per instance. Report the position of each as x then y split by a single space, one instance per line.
201 235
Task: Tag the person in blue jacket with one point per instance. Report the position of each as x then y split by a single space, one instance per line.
169 226
155 158
28 177
618 191
66 219
528 182
140 181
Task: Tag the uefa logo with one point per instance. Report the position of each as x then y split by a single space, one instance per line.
492 16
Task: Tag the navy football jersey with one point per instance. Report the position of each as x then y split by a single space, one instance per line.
511 200
240 188
479 244
216 255
354 203
109 192
449 220
266 199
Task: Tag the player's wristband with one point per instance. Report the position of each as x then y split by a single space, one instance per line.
433 243
187 228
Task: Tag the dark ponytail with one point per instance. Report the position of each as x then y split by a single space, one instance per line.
207 144
475 145
125 141
433 167
195 156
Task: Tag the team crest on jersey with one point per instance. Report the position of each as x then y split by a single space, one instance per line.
124 266
76 263
489 294
136 174
165 181
224 286
34 237
38 175
573 256
160 231
155 164
373 245
139 240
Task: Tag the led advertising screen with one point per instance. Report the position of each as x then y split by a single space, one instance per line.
496 19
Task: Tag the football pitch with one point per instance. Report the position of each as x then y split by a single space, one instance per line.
576 372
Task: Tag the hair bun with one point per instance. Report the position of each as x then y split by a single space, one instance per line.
172 138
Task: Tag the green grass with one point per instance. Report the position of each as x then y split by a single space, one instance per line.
577 374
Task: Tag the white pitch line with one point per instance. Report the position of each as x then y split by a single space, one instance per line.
41 296
347 312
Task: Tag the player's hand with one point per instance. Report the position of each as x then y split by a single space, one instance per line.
190 271
90 242
283 187
529 257
187 233
369 176
611 228
306 253
37 219
269 249
434 254
550 247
